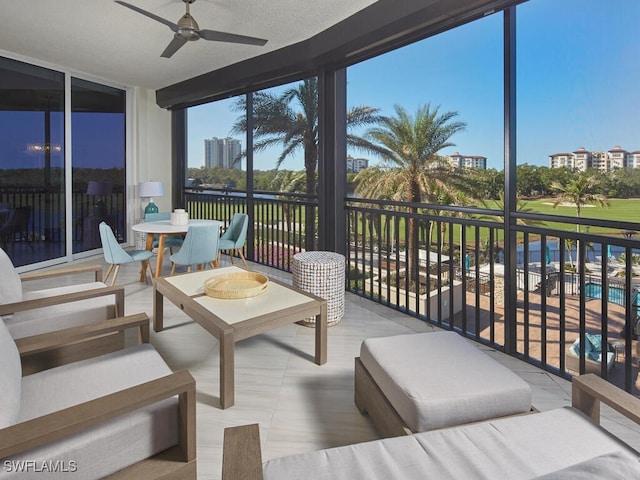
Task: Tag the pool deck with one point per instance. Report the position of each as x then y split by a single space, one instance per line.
550 318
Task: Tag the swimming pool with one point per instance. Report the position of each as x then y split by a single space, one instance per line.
616 294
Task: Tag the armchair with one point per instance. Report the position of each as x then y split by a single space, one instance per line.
122 415
33 312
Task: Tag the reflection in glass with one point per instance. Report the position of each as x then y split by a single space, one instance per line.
32 219
98 162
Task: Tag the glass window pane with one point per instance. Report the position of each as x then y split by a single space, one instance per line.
32 219
578 121
456 75
285 145
98 162
216 152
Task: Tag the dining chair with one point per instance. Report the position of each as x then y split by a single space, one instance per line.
200 247
115 255
235 236
170 241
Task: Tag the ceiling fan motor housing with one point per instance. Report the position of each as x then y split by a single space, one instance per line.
188 28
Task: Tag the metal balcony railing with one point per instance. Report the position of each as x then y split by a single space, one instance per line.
451 266
531 295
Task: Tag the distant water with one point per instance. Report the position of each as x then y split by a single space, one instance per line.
535 255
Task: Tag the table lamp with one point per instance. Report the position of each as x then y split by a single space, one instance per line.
150 190
99 189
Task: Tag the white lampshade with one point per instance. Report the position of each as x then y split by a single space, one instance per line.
150 189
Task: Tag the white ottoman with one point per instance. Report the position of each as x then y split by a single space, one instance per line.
433 380
322 274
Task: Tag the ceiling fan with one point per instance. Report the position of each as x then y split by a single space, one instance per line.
187 30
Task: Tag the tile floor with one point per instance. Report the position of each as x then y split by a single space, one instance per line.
299 405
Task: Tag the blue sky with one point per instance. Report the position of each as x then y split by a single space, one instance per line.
578 83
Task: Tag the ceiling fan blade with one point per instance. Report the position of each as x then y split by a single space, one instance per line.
173 47
230 37
169 24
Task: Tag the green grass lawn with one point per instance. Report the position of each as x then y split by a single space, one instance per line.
625 209
622 209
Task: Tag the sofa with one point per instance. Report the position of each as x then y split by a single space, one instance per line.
563 443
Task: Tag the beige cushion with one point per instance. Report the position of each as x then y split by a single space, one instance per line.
50 292
10 378
440 379
47 319
11 285
107 447
519 447
612 466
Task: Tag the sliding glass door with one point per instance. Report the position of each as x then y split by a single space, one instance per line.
32 206
44 217
98 162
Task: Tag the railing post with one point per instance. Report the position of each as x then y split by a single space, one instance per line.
510 187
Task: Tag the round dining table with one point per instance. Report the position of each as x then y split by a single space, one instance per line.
164 228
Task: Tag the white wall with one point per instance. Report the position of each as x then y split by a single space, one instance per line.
150 155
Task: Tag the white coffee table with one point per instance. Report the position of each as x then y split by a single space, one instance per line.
232 320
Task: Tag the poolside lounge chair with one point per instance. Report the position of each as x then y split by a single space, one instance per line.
593 355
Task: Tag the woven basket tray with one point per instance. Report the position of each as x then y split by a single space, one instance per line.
236 285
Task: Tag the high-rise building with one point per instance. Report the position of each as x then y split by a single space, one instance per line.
468 161
608 161
222 152
356 164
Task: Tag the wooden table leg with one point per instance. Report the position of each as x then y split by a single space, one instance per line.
161 237
227 366
149 246
321 335
158 310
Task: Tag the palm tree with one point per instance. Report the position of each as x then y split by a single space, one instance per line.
578 192
412 171
290 121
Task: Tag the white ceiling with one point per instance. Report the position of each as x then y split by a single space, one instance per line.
109 41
